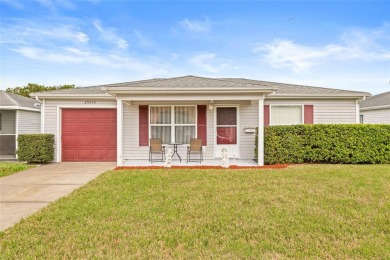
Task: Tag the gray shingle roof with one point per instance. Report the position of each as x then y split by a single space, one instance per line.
13 100
379 100
215 83
292 89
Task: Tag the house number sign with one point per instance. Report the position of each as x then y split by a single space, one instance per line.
89 102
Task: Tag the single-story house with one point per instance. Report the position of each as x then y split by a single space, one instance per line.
115 122
18 115
376 109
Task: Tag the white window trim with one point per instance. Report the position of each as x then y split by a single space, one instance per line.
287 105
172 124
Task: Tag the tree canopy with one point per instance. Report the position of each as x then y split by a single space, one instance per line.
32 87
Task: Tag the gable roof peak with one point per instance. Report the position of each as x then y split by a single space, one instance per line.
13 100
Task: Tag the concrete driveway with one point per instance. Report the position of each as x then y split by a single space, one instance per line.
24 193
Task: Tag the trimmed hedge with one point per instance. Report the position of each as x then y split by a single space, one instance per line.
36 148
348 144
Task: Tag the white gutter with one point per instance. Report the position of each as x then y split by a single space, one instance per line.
179 92
19 108
297 96
73 96
374 108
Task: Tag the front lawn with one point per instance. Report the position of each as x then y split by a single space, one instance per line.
8 168
312 211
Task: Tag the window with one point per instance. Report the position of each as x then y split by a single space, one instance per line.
286 115
173 123
360 119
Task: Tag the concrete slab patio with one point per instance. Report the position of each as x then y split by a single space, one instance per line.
24 193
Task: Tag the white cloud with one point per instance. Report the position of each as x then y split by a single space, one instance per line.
203 25
109 35
65 42
209 62
28 33
285 53
363 45
74 55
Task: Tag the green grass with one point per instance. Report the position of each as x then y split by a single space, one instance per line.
311 211
8 168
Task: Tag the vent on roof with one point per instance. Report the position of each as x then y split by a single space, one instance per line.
37 105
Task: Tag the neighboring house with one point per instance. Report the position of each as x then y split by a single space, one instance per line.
114 122
376 109
18 115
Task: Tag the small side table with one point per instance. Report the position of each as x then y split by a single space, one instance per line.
175 149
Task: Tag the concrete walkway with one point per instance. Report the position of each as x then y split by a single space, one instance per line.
24 193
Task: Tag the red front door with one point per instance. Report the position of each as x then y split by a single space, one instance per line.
88 135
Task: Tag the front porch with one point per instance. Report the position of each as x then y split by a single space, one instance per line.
183 163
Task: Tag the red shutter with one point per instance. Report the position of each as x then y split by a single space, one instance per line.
202 126
308 114
143 126
266 115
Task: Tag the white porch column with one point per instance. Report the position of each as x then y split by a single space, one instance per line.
260 144
16 131
119 132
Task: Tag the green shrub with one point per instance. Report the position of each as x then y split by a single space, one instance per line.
352 143
36 148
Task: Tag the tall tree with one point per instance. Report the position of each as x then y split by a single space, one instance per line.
31 88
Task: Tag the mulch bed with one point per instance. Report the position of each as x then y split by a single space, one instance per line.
273 166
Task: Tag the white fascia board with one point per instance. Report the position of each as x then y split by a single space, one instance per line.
184 97
77 96
131 90
374 108
327 96
19 108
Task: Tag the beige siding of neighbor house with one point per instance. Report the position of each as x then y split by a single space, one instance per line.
29 122
339 111
8 122
51 115
379 116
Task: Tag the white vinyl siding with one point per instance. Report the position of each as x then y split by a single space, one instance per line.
8 122
131 148
326 111
51 114
248 118
29 122
286 115
380 116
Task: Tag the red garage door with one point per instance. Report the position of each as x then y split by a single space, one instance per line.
88 135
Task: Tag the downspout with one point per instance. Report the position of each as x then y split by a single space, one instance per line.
16 131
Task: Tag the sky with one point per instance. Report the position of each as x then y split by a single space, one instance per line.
336 44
